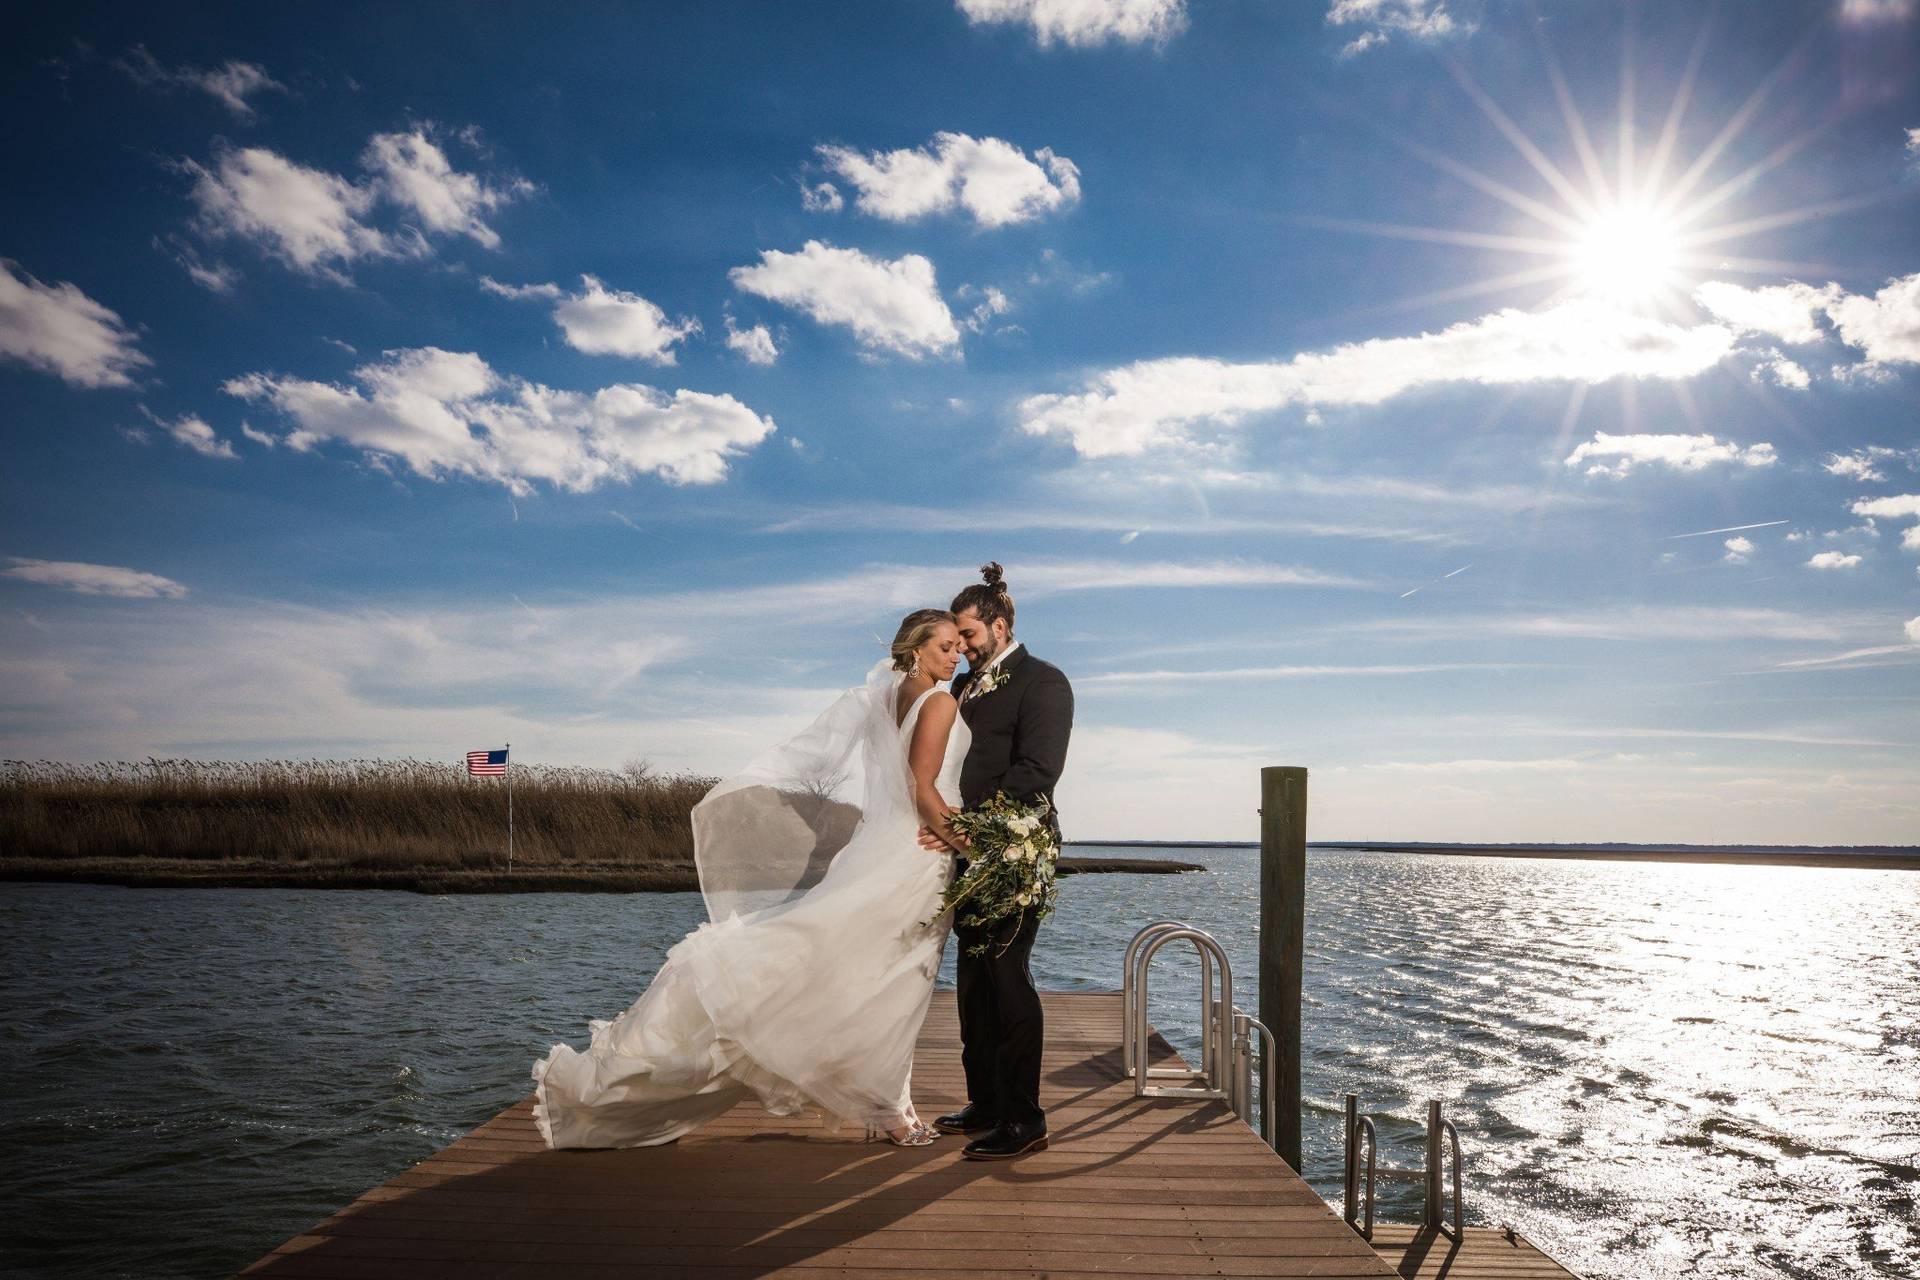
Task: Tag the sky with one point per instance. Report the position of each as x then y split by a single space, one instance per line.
1506 411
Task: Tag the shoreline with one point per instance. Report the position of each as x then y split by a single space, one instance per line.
1874 857
672 877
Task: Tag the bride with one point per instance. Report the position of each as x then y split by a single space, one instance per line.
808 988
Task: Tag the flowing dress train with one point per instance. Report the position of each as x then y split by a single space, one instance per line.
814 1000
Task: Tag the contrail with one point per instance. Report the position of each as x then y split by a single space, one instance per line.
1732 528
1457 572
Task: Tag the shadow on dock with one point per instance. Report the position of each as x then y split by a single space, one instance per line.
1167 1187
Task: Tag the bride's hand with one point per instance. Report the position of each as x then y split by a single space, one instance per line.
944 837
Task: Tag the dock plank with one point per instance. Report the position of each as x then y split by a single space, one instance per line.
1129 1188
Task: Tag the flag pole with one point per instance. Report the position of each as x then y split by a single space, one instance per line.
509 808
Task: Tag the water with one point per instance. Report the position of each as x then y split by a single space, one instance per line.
1657 1071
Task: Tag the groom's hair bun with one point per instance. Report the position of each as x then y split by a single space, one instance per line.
989 597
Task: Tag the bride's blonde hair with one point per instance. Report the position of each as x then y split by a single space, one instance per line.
915 628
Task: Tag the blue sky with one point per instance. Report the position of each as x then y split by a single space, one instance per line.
1350 385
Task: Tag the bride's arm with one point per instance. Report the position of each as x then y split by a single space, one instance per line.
925 754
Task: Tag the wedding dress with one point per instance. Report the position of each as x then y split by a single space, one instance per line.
808 987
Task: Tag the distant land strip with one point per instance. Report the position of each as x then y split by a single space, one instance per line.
1869 857
190 873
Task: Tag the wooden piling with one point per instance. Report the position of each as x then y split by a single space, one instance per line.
1283 897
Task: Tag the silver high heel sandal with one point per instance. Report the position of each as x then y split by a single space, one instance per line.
918 1135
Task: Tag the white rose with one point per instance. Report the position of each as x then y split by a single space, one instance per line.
1011 855
1020 826
1024 899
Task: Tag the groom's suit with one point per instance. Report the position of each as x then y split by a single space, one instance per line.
1020 729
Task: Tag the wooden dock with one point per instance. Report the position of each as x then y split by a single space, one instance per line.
1149 1187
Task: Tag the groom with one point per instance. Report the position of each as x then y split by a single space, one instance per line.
1020 711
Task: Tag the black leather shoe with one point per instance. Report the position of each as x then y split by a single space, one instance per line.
972 1118
1007 1141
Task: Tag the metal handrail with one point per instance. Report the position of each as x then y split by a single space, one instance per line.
1216 1046
1454 1234
1243 1025
1132 1054
1432 1215
1365 1125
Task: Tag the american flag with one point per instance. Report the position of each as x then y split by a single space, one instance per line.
487 764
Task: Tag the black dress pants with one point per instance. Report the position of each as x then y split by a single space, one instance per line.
1001 1022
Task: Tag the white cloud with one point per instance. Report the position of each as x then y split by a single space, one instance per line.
890 305
521 292
1420 19
191 430
1886 327
1913 630
756 343
1643 624
613 322
308 219
992 181
60 330
821 197
992 303
320 223
1904 506
1739 550
1789 312
1913 145
605 322
215 277
412 171
93 579
1831 560
444 412
1782 372
1152 403
1084 23
1866 464
1870 12
1679 452
230 84
1241 675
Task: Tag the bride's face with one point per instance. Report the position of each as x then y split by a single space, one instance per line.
941 652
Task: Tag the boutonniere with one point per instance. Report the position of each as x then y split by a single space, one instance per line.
992 680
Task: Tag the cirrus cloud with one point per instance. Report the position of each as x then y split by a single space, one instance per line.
229 84
93 579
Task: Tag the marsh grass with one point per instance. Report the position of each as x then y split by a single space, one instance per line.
369 814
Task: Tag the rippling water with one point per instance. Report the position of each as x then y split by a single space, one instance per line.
1658 1071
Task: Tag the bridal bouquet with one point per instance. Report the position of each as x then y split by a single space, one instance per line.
1010 864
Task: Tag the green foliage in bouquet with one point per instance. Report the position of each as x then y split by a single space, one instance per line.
1011 858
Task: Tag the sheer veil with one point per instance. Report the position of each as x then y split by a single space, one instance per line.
767 834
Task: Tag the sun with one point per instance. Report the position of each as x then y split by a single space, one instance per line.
1627 253
1636 224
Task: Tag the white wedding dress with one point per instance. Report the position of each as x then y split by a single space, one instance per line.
808 988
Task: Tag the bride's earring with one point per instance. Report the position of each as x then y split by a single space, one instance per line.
914 670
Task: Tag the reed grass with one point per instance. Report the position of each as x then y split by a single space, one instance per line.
366 814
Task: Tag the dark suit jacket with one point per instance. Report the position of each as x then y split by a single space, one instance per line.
1020 732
